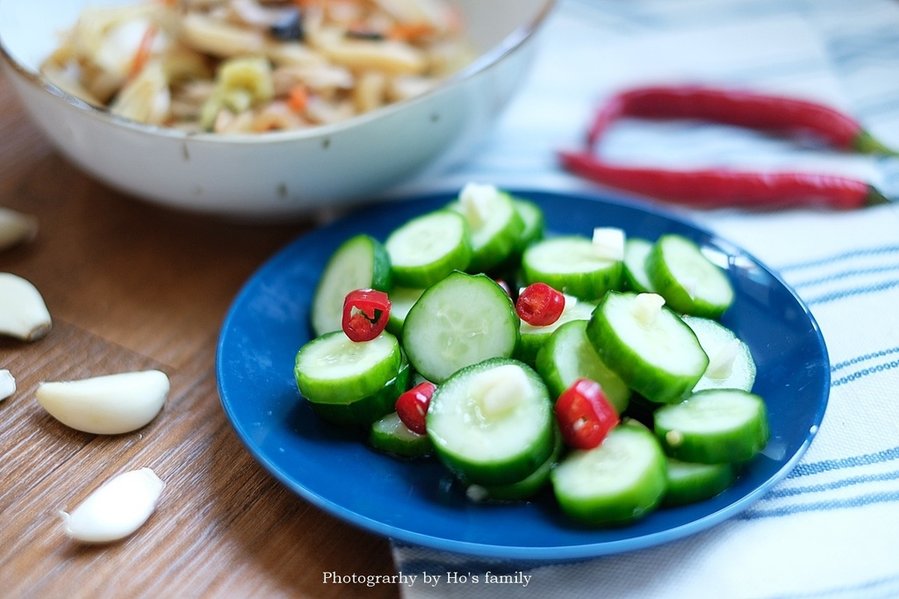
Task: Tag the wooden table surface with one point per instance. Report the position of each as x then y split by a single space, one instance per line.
132 286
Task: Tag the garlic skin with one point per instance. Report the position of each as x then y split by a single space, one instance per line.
7 384
106 405
15 228
116 509
23 313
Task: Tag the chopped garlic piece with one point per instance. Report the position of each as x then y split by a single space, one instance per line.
15 227
570 302
7 384
475 199
23 313
647 307
608 242
674 438
500 390
476 493
106 405
116 509
721 361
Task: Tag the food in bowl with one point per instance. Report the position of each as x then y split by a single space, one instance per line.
243 66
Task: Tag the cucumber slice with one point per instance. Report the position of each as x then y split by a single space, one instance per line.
389 435
688 281
635 276
730 362
535 337
429 247
689 482
401 301
528 486
462 320
620 481
333 369
572 265
534 222
496 226
491 423
656 355
713 426
569 355
361 413
360 262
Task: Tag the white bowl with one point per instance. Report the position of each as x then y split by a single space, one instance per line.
275 174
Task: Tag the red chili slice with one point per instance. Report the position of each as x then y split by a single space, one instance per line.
412 406
365 314
584 414
539 304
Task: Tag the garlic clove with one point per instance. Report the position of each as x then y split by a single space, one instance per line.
116 509
7 384
106 405
23 313
15 228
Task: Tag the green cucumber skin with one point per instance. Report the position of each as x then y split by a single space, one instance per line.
589 365
422 277
381 280
691 483
420 315
361 414
534 222
498 248
313 389
626 506
654 384
532 338
704 329
407 445
532 483
634 279
492 473
584 285
717 447
667 285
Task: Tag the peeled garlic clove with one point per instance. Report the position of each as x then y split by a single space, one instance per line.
15 227
7 384
106 405
23 313
116 509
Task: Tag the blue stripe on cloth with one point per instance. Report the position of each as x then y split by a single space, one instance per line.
828 486
810 468
884 587
857 253
864 372
822 506
845 274
864 358
854 292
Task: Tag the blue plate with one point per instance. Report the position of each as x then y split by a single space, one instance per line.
415 502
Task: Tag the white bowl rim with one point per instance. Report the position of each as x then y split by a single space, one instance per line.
486 59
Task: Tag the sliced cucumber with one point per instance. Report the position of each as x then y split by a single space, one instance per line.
620 481
654 353
360 262
429 247
462 320
532 216
714 426
391 436
334 369
491 423
496 226
569 355
730 362
689 482
688 281
535 337
361 413
635 276
528 486
572 265
401 301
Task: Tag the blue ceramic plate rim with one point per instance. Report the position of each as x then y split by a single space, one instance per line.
248 382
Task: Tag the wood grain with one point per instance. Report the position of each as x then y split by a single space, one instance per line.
133 286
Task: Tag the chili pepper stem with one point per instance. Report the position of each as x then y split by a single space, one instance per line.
875 198
865 143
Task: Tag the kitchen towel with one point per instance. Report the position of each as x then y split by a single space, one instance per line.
831 528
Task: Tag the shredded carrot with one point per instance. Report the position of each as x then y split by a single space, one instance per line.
409 32
142 55
298 98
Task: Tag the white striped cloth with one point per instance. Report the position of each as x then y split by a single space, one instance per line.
831 528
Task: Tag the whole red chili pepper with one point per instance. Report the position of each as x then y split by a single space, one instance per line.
714 186
365 314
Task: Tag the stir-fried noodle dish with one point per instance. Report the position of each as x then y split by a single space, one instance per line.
244 66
